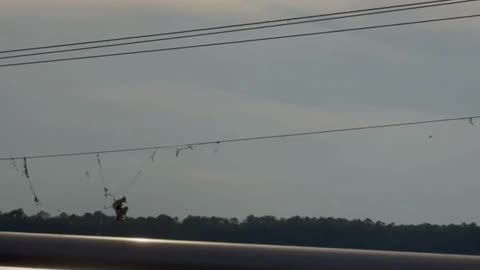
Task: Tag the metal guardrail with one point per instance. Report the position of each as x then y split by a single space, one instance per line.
86 252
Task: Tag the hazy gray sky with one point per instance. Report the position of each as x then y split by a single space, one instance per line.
314 83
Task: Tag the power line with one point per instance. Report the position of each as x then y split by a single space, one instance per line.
239 41
466 118
219 27
233 30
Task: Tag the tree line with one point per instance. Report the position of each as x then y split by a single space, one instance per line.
298 231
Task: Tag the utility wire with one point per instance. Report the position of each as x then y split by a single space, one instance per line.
466 118
219 27
239 41
232 31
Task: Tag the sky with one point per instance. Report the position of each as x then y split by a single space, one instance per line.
350 79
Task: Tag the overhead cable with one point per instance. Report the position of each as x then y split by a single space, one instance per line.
229 31
258 138
238 41
291 19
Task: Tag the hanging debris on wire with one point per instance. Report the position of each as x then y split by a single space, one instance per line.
471 121
139 172
117 205
120 209
151 158
179 150
30 184
25 168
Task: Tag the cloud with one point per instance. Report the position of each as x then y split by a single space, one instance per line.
269 113
329 82
203 6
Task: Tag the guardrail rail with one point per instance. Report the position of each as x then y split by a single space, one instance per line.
88 252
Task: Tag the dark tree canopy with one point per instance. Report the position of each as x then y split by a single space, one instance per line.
298 231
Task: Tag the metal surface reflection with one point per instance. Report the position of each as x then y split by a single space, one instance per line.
88 252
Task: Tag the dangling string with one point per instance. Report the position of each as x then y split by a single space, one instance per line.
105 189
26 173
106 194
139 172
471 121
30 184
